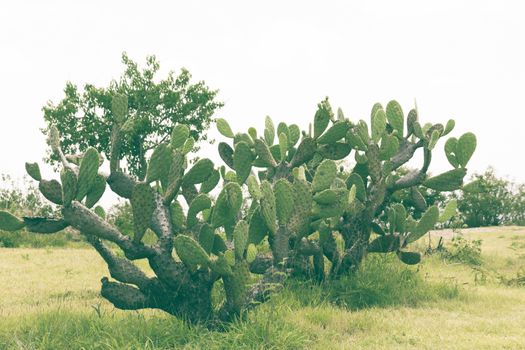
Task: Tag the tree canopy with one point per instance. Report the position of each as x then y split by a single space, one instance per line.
84 118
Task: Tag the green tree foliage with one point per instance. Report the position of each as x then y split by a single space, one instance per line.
490 200
155 105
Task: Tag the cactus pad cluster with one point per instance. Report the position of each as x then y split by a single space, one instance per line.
285 202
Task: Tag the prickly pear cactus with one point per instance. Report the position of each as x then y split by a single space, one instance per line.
285 203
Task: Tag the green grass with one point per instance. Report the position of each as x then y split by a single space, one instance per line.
49 300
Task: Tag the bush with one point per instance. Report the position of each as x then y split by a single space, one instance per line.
490 201
464 251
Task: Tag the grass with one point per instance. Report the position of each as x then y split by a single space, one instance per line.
49 300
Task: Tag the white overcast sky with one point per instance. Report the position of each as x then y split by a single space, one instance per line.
459 59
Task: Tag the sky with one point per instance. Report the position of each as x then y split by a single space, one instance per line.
459 59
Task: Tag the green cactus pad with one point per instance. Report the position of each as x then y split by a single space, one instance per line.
269 131
100 212
395 116
142 204
88 172
207 238
417 198
251 253
96 191
264 154
449 127
283 146
227 205
325 174
434 138
159 164
257 229
282 128
303 201
284 203
377 106
326 197
268 209
448 181
355 141
224 128
378 124
221 266
119 107
243 137
465 148
357 180
230 257
190 252
411 119
188 145
305 152
418 130
240 238
335 151
9 222
179 134
44 225
226 154
218 245
389 147
425 224
252 132
327 211
253 187
51 190
69 185
335 133
385 244
33 170
211 182
242 161
295 134
450 151
409 258
198 204
449 211
322 117
374 163
400 217
199 173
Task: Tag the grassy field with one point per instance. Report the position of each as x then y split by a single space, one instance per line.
49 300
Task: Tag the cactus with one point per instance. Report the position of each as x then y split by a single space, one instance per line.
10 222
242 161
33 170
159 164
284 209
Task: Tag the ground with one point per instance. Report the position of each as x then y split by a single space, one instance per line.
49 300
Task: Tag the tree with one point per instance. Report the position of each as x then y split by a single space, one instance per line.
300 217
488 200
85 119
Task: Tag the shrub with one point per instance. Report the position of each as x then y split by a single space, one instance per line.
490 200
